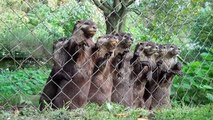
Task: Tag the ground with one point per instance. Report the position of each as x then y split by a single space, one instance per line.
110 112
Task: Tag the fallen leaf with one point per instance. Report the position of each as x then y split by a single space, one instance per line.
142 119
121 115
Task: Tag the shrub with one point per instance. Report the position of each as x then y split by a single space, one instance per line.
202 29
33 33
21 83
196 87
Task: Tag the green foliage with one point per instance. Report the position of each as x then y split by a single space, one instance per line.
196 87
202 29
58 22
96 112
91 111
21 42
15 84
33 32
186 113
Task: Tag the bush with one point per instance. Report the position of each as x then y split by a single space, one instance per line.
22 42
58 22
21 83
202 29
196 87
33 33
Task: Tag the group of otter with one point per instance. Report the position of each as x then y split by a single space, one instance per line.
106 71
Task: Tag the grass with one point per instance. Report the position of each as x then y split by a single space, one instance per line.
204 112
22 87
110 112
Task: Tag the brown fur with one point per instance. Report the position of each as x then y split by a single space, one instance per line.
74 80
59 58
137 72
122 86
100 84
152 85
166 72
143 74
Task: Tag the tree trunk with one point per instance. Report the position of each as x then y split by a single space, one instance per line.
111 21
122 23
115 14
115 21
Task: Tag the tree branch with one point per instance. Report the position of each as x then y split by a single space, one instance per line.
106 4
122 9
115 3
101 6
138 12
127 3
130 2
181 59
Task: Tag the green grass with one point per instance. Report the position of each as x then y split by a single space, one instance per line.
22 87
111 112
204 112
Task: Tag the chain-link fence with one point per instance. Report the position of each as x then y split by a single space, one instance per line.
140 54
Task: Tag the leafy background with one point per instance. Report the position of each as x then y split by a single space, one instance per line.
28 29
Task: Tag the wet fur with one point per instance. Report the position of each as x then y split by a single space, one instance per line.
101 83
122 85
166 71
142 72
69 81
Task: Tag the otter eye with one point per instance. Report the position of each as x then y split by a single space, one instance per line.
116 34
86 23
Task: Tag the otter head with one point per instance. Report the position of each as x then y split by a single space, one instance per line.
108 42
125 40
139 49
173 50
151 48
88 27
162 50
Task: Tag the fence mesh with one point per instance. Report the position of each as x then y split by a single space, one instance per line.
127 52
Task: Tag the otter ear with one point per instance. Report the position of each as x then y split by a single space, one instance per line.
141 43
79 21
116 34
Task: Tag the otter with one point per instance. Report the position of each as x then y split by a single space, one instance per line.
153 84
144 73
100 85
167 70
59 58
74 84
122 86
